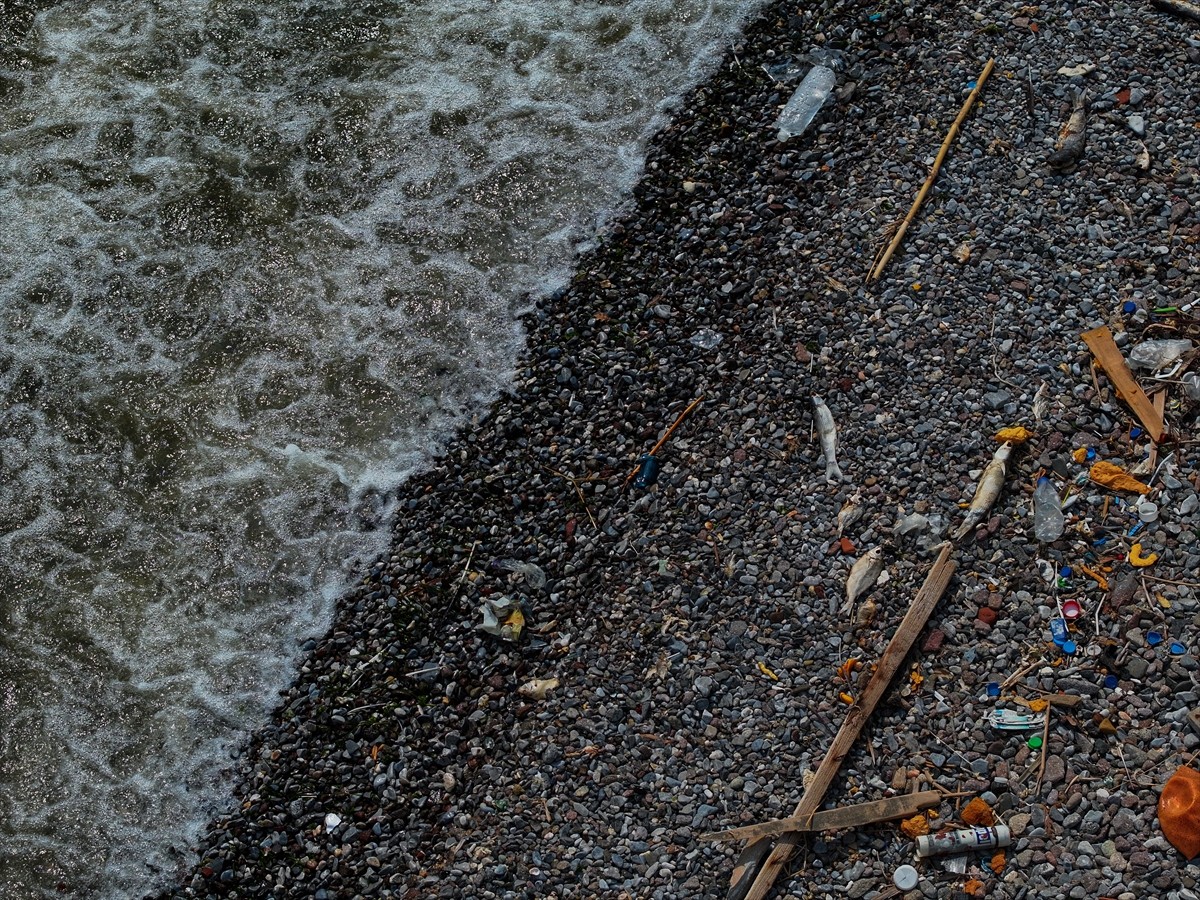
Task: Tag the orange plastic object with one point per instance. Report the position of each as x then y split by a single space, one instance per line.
1179 811
977 812
1018 434
1113 476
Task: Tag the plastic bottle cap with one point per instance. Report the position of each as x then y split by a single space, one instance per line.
1110 681
905 878
1064 572
1147 511
1128 307
1153 638
1069 648
1071 609
993 689
1034 742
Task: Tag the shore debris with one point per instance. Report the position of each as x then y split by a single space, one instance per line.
1108 356
863 575
502 617
887 809
850 512
1113 477
1073 136
963 841
1178 7
647 467
537 688
886 256
990 484
827 431
761 863
1179 811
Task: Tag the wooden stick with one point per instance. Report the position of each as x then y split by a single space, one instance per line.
662 440
937 165
834 819
753 877
1179 7
1104 348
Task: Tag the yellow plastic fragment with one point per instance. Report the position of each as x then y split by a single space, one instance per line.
762 668
1018 434
846 698
1080 455
1162 601
1038 705
915 827
1136 558
1113 476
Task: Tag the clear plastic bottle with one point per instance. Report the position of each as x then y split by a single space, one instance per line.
1048 519
806 102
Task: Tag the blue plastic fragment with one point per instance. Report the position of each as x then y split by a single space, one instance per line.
1177 649
1136 528
1128 307
1153 638
1090 455
1135 432
1069 648
1110 681
1058 631
1064 572
993 689
647 471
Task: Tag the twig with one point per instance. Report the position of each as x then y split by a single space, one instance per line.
1045 748
578 490
467 567
1169 581
937 165
1179 7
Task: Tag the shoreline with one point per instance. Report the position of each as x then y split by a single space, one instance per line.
662 608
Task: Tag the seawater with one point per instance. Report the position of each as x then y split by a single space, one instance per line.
257 259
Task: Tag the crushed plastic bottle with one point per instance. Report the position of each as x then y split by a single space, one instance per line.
1158 354
1048 519
806 102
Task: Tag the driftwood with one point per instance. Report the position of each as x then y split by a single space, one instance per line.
1179 7
1108 355
937 165
835 819
761 863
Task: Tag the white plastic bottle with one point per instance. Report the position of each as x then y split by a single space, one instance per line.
806 102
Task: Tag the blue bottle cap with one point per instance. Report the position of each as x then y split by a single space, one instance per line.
1153 638
1069 648
993 689
1135 432
1110 681
1091 454
1177 649
1128 307
1064 572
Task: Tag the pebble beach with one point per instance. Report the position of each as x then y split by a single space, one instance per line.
681 659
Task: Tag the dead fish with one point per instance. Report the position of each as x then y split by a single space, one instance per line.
850 512
537 688
863 575
827 431
990 483
1073 137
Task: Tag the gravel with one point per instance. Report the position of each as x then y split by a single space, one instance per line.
693 626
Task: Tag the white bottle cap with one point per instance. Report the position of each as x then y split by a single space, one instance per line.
905 878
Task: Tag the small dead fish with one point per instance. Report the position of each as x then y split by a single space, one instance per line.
863 575
536 688
850 512
827 431
990 484
1073 137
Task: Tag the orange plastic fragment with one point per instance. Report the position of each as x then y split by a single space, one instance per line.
998 862
846 698
915 827
973 887
1038 705
1179 811
1080 455
977 812
1095 576
1113 476
1018 434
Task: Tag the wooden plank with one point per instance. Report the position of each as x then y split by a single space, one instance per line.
754 876
1100 342
1159 401
1063 701
835 819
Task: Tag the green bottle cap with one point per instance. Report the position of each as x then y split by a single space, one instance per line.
1035 742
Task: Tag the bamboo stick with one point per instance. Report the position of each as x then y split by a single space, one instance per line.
937 165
